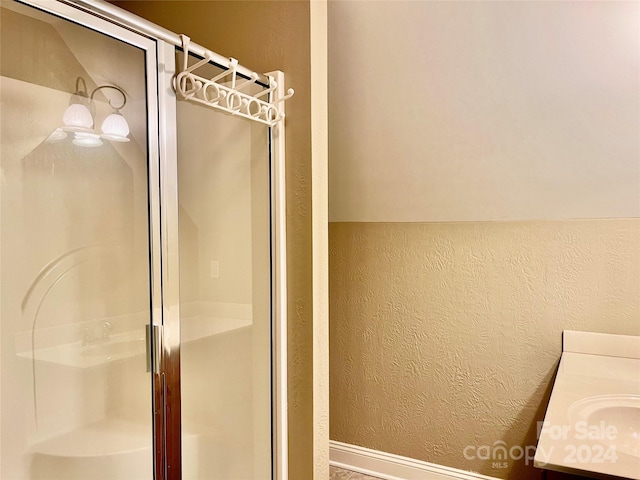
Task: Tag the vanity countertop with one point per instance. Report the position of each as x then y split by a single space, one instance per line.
592 423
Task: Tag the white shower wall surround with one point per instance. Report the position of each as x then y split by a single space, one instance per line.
143 283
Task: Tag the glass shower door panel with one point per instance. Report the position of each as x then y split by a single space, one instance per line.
225 294
74 257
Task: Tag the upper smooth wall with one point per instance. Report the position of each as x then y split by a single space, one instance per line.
483 111
267 36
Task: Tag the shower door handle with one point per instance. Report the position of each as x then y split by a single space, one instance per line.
153 350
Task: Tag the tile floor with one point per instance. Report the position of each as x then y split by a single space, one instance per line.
341 474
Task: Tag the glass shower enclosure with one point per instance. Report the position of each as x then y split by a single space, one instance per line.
137 262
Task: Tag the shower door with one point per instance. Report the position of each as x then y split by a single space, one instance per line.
80 254
224 193
141 261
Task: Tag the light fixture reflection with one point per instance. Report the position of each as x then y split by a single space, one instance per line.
86 139
78 117
57 135
115 128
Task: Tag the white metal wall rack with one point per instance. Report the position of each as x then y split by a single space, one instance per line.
228 96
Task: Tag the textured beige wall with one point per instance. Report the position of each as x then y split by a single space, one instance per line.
266 36
444 335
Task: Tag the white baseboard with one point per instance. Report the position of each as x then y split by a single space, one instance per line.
393 467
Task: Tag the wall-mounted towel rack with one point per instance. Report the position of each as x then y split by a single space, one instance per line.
228 96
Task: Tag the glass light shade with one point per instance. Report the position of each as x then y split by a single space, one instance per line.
115 127
77 117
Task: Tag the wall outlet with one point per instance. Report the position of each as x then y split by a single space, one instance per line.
215 269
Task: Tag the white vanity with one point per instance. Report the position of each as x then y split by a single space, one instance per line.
592 423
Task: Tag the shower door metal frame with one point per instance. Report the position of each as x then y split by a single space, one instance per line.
169 379
159 45
279 337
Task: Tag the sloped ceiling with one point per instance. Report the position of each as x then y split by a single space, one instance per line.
34 52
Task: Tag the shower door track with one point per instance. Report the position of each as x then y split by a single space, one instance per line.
159 45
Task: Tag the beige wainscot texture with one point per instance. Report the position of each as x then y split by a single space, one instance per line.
445 335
